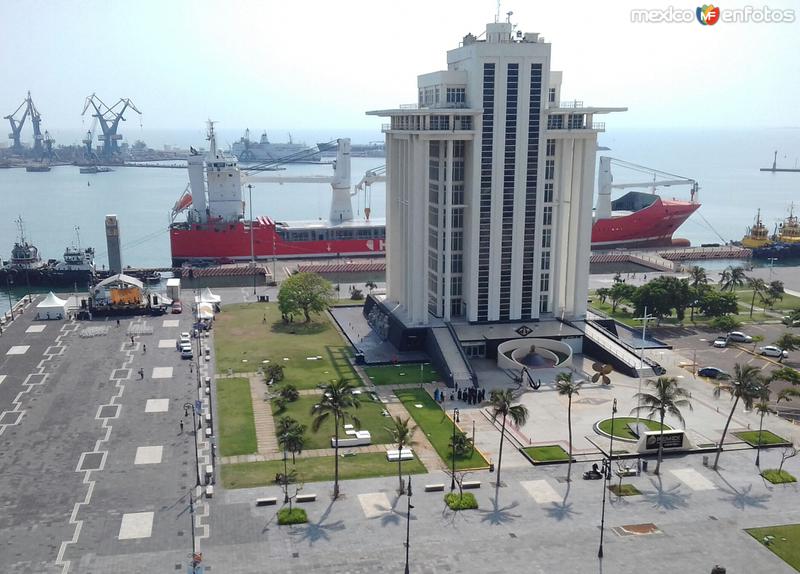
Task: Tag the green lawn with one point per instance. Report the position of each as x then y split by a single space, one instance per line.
437 427
402 374
783 541
316 469
546 453
775 477
465 501
621 426
788 303
751 437
237 431
243 341
368 413
624 490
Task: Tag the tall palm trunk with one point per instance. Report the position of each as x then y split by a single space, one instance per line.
660 444
569 424
758 446
336 457
724 432
399 466
753 302
500 456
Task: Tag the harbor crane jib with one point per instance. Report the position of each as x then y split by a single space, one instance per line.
17 124
109 118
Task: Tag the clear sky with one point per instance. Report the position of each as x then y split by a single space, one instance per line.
309 64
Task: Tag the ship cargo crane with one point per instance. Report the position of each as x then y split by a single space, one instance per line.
370 176
17 124
605 183
341 206
109 118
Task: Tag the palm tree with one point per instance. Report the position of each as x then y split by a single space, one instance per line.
746 386
698 279
732 278
762 408
293 440
567 387
668 397
401 436
337 399
759 289
500 403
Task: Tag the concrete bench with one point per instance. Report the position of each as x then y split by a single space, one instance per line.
471 484
208 432
306 497
208 418
626 471
434 487
210 491
270 501
393 455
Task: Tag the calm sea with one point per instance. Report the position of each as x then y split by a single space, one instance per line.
52 204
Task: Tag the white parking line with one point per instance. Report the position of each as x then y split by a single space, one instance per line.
171 323
2 378
162 372
35 329
18 350
167 343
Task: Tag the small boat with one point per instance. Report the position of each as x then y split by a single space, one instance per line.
38 167
95 169
757 235
153 279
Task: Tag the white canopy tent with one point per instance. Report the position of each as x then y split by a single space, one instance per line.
206 296
205 311
52 307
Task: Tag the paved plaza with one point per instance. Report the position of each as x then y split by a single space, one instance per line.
95 477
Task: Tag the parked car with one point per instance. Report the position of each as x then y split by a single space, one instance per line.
186 352
713 373
739 337
721 342
177 307
787 320
773 351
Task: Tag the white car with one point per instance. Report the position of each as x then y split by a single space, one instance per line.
186 352
773 351
739 337
721 342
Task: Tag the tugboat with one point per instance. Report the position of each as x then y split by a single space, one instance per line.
757 235
786 242
27 268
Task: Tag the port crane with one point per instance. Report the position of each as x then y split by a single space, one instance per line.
108 118
605 183
17 124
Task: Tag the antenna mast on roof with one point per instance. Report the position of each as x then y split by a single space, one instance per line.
497 14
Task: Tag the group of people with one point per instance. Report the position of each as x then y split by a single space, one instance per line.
470 395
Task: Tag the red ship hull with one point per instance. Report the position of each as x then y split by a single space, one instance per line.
650 223
231 241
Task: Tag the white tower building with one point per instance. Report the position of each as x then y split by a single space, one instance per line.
490 179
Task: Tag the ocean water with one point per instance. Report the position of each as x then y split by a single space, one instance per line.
52 204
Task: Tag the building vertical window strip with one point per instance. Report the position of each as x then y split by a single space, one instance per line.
485 191
531 182
509 161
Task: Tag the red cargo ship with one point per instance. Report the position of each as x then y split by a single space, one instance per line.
214 229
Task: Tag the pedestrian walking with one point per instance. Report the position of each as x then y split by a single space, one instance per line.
191 367
117 322
141 374
144 349
181 423
131 339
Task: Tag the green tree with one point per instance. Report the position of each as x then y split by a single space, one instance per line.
401 436
762 408
680 292
602 294
291 435
774 292
274 373
289 393
620 292
712 303
500 403
667 397
567 387
655 296
759 288
787 375
306 292
732 278
746 386
726 323
697 276
337 400
787 342
461 445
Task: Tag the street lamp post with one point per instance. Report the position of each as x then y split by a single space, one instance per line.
606 475
186 408
194 543
453 446
408 522
8 292
644 321
772 261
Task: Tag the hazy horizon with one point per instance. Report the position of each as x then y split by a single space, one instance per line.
313 65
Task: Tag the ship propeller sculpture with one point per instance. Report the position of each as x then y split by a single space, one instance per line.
601 372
